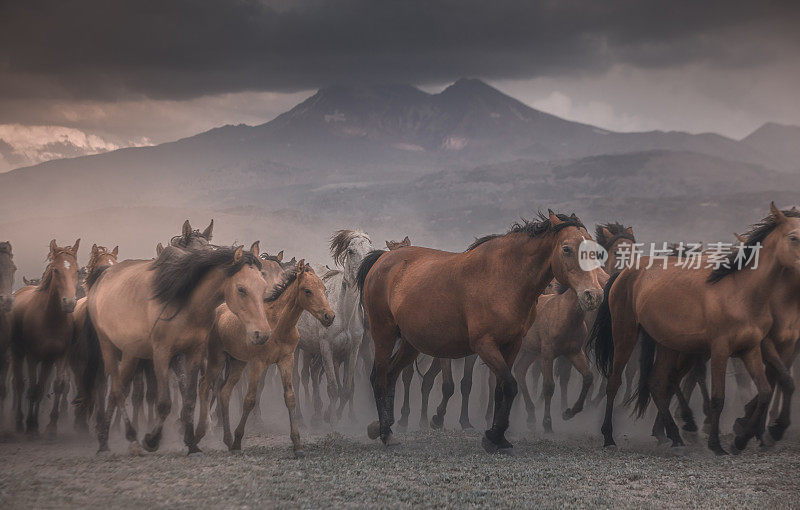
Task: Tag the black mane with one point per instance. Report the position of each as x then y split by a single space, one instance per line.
756 235
532 228
287 278
178 272
618 231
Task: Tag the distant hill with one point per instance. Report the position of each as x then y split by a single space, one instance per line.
779 141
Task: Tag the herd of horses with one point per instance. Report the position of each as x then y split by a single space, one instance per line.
198 317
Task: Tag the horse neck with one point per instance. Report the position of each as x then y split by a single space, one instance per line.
284 313
206 297
49 296
527 262
759 284
346 296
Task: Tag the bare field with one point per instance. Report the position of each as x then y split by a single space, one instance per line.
429 468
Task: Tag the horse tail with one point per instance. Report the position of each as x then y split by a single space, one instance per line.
364 268
646 360
94 362
601 339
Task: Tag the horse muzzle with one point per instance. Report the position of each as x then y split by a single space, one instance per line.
590 299
68 305
327 319
259 337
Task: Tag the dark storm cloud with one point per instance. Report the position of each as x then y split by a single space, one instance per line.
106 49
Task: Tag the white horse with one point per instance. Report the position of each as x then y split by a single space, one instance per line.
337 346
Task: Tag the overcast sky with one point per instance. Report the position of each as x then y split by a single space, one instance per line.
90 75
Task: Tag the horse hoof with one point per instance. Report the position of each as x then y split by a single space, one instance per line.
610 444
466 425
767 441
718 450
236 446
661 440
437 422
738 426
403 423
678 449
690 426
299 454
196 455
135 449
103 452
391 442
150 443
567 415
374 430
490 446
734 449
776 431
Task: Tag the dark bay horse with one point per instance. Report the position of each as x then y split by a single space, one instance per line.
41 332
723 312
299 290
481 301
144 309
7 270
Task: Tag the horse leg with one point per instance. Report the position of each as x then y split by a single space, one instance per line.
500 361
786 385
630 375
316 378
329 371
719 363
687 415
466 389
151 393
448 388
407 376
625 337
59 388
548 387
520 370
427 385
234 374
349 382
19 389
214 364
255 371
34 390
296 384
137 395
3 376
660 384
193 360
563 371
578 360
753 362
285 368
161 366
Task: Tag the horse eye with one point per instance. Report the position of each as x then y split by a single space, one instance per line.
308 292
567 250
242 291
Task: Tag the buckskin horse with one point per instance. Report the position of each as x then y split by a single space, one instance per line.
144 309
482 301
724 311
41 332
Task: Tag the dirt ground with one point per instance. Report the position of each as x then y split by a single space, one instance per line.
429 468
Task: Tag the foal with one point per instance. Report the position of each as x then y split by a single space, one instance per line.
299 290
41 333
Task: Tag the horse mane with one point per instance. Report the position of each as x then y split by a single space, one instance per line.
330 273
287 278
101 250
94 274
179 272
341 239
266 256
533 228
618 231
756 235
177 241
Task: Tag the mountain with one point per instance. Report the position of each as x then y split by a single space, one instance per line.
395 160
779 141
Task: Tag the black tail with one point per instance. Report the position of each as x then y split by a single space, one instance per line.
363 269
646 360
601 339
94 362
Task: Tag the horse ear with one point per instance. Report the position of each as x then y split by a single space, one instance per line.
254 249
406 241
186 231
279 256
554 221
53 247
26 281
115 251
159 249
94 248
301 265
388 245
237 255
75 246
776 213
742 239
606 233
209 230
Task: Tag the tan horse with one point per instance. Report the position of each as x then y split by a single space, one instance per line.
301 289
144 309
558 330
481 301
724 313
78 358
41 333
7 270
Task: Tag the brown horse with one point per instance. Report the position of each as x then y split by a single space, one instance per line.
41 332
723 312
558 330
300 289
78 357
7 270
481 301
144 309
